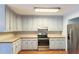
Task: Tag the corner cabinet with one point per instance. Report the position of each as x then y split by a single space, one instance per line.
57 43
16 46
29 44
13 22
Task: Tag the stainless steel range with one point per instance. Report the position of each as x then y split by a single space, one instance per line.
43 40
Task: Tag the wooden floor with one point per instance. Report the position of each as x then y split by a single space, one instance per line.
43 52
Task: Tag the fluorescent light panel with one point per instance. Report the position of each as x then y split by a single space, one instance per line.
47 9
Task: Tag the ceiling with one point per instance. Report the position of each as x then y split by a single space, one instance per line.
28 9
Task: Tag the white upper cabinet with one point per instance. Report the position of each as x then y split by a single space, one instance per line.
7 20
27 23
32 23
10 20
52 24
24 24
13 21
35 23
60 24
18 23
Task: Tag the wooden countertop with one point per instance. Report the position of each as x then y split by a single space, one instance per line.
12 39
28 35
9 40
35 35
55 35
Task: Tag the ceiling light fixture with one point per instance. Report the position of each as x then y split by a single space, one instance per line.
37 9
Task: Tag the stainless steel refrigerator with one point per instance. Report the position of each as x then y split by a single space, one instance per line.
73 38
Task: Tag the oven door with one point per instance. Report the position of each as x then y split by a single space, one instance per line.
43 42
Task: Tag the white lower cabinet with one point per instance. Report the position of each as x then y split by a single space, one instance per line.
24 44
17 46
29 44
57 43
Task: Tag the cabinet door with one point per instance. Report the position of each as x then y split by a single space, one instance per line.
7 20
11 21
30 44
52 24
57 43
60 24
24 44
34 44
17 46
25 24
14 22
52 44
62 44
14 49
18 23
30 24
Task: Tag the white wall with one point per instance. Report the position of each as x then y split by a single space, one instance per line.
2 18
68 17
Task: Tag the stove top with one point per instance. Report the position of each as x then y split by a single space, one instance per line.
42 36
